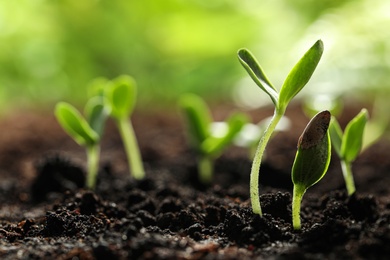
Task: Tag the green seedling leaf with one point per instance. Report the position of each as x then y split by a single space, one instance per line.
300 74
75 125
213 146
353 136
313 155
121 96
96 113
198 118
311 161
336 135
251 65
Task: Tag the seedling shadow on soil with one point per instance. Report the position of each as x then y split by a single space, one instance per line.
171 215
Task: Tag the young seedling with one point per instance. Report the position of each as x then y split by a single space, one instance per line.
121 96
295 81
207 140
86 132
311 160
348 145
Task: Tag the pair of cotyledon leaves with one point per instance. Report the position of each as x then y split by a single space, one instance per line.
114 98
295 81
348 144
199 123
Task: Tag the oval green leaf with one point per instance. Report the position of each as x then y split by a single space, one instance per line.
121 96
197 116
96 113
313 156
214 146
249 62
300 74
353 136
75 125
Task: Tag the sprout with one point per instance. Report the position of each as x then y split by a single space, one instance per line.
121 96
86 132
311 160
295 81
348 145
208 138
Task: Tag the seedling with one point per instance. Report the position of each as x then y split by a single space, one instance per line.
86 132
311 160
121 96
295 81
349 145
208 140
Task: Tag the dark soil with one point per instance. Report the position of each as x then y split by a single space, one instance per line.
45 213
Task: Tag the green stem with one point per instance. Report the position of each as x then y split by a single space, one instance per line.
296 206
254 178
205 168
132 150
93 154
348 177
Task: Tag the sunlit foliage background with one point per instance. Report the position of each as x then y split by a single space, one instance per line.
50 50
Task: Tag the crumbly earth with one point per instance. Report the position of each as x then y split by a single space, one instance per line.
45 213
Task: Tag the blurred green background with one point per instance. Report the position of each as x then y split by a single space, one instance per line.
51 50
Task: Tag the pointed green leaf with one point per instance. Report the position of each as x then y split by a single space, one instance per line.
96 113
300 74
313 156
197 116
214 146
249 62
353 136
336 135
75 125
121 96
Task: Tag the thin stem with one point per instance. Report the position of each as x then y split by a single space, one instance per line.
348 177
254 178
296 206
93 155
205 168
130 143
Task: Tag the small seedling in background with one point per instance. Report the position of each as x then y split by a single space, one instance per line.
348 145
250 134
295 81
121 97
86 132
311 161
208 138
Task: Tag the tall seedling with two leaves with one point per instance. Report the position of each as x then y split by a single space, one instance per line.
295 81
349 145
86 131
121 96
